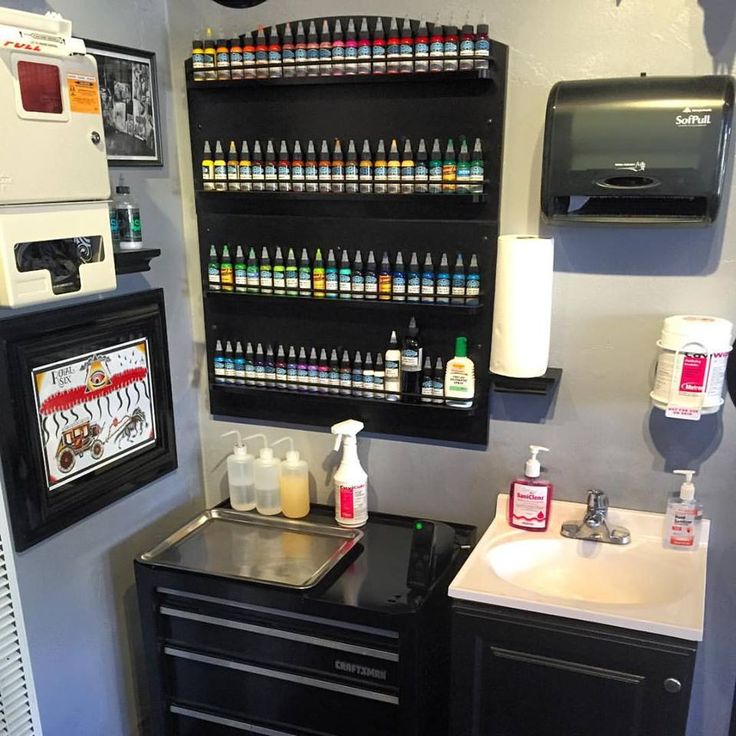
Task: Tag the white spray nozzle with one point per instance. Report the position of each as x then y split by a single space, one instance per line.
348 428
533 467
687 489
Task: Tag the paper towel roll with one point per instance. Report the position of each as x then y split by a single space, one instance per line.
522 308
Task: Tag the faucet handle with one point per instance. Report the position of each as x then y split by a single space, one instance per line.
597 501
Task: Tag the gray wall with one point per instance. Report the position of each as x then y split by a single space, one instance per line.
77 588
612 289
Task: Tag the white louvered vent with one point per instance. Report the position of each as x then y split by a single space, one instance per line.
18 708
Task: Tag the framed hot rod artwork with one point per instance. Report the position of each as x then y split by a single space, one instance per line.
89 413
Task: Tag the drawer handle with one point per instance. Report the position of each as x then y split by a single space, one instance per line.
672 685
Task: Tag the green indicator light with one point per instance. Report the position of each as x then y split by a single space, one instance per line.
419 526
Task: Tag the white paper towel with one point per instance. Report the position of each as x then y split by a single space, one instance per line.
522 308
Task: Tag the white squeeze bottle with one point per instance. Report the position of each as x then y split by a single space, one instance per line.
267 479
351 481
294 486
240 473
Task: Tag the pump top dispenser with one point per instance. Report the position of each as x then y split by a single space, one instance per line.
530 497
240 472
682 523
351 481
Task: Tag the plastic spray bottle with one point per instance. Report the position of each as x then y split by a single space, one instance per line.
351 481
240 473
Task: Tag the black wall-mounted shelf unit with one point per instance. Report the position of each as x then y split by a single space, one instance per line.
135 261
442 105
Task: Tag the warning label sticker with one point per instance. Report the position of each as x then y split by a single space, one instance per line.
84 94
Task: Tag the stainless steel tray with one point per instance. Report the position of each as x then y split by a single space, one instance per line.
243 545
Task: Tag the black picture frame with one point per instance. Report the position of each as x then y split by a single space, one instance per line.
130 107
30 344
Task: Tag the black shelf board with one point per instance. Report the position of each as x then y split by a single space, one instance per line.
342 197
135 261
540 386
460 76
229 300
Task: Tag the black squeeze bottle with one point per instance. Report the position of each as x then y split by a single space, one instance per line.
411 364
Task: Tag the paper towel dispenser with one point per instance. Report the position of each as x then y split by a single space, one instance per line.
636 150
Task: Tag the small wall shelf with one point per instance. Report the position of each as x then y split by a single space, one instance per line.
135 261
540 386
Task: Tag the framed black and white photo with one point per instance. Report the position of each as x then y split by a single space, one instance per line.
130 109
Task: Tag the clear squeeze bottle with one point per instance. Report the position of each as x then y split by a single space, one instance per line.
294 486
267 480
240 473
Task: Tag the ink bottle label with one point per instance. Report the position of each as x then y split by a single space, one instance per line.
221 172
338 171
482 47
443 284
198 61
351 52
413 285
223 58
269 171
232 172
129 224
371 283
392 369
399 284
472 285
476 170
283 171
450 48
379 52
302 373
280 373
244 171
300 54
393 170
436 48
252 276
240 277
421 49
313 53
292 280
208 172
305 280
260 374
338 53
364 51
279 280
297 171
266 279
427 387
406 49
249 57
213 277
333 378
410 359
358 283
310 171
428 284
261 56
288 56
291 373
351 172
330 281
435 171
458 284
219 366
365 170
324 171
467 47
393 49
274 56
236 58
344 283
407 171
257 171
379 172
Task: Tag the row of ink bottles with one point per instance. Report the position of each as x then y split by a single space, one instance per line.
343 277
341 169
334 51
401 372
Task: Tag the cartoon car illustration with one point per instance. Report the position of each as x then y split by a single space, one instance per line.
75 441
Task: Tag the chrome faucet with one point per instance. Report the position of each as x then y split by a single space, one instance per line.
594 526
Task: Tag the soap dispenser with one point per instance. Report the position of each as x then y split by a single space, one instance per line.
684 515
351 481
294 486
240 473
530 497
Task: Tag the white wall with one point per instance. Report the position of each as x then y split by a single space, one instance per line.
77 587
613 287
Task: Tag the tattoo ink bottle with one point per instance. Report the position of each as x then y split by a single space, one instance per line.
208 169
261 54
472 283
279 273
421 169
442 283
413 279
239 364
210 54
457 288
260 366
451 48
241 279
325 50
250 366
406 48
426 381
428 279
393 48
300 51
249 56
227 280
398 285
379 378
482 46
252 273
233 164
379 48
291 369
222 60
365 169
229 363
337 170
325 179
368 376
435 168
371 279
393 369
265 272
244 172
292 274
438 382
467 46
270 173
318 275
297 168
437 47
213 271
236 58
323 369
256 168
331 275
220 168
312 51
421 48
338 51
477 168
218 363
288 58
275 70
449 169
270 363
313 371
384 279
344 277
364 48
310 169
346 374
393 169
333 380
379 170
407 169
356 381
302 371
280 367
357 278
351 50
463 169
305 274
283 170
198 62
351 169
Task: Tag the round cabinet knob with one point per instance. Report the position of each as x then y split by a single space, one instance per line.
672 685
95 137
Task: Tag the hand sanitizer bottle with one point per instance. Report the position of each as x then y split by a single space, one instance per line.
684 515
530 497
351 481
240 473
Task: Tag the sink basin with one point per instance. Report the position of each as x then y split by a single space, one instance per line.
642 586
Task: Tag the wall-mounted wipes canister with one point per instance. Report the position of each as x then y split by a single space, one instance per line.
249 56
379 169
220 167
351 168
407 169
337 169
288 58
261 54
300 51
241 276
265 272
227 275
338 50
244 172
379 48
325 50
222 59
351 49
364 48
198 64
252 273
236 58
283 168
297 168
311 173
365 169
270 172
256 168
208 168
371 277
233 164
218 363
213 270
275 70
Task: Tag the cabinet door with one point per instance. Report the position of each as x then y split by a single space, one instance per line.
517 674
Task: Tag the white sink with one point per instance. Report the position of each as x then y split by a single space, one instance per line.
642 585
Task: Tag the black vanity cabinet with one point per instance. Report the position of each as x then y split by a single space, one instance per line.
525 674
